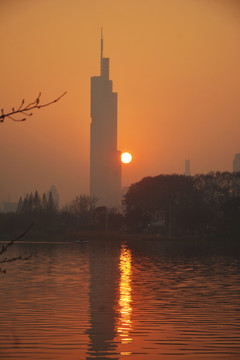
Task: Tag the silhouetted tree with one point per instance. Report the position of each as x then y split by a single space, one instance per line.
37 206
158 198
82 208
44 202
51 206
30 203
26 208
115 219
20 206
188 204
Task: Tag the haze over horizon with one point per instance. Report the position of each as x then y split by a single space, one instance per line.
174 65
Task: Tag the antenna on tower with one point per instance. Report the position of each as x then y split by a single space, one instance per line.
101 52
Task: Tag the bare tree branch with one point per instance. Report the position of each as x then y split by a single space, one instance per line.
5 260
5 247
26 110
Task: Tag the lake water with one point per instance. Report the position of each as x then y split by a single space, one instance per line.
108 300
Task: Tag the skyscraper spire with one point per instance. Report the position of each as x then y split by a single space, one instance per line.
101 63
105 158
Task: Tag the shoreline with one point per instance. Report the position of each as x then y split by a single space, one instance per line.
84 236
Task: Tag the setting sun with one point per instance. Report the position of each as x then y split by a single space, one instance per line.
126 158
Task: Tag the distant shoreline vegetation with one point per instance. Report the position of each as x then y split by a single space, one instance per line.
178 205
160 207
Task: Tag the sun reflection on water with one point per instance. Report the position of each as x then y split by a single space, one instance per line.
125 308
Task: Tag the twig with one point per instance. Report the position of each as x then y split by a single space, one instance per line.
26 110
6 260
5 247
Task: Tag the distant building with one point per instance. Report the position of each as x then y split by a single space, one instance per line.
236 163
187 168
10 207
55 195
105 159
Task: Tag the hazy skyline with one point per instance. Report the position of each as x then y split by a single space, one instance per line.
175 67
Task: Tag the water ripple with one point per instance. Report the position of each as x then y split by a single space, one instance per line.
112 301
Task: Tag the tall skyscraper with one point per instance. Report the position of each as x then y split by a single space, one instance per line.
236 163
105 159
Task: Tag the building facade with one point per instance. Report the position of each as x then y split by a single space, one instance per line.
236 163
105 159
187 168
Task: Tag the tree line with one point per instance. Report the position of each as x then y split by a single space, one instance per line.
82 213
177 204
205 205
36 204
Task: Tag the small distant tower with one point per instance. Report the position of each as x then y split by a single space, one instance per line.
187 168
236 163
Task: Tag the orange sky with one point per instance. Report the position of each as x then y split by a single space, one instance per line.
174 64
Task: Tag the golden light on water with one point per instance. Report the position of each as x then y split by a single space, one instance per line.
125 308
